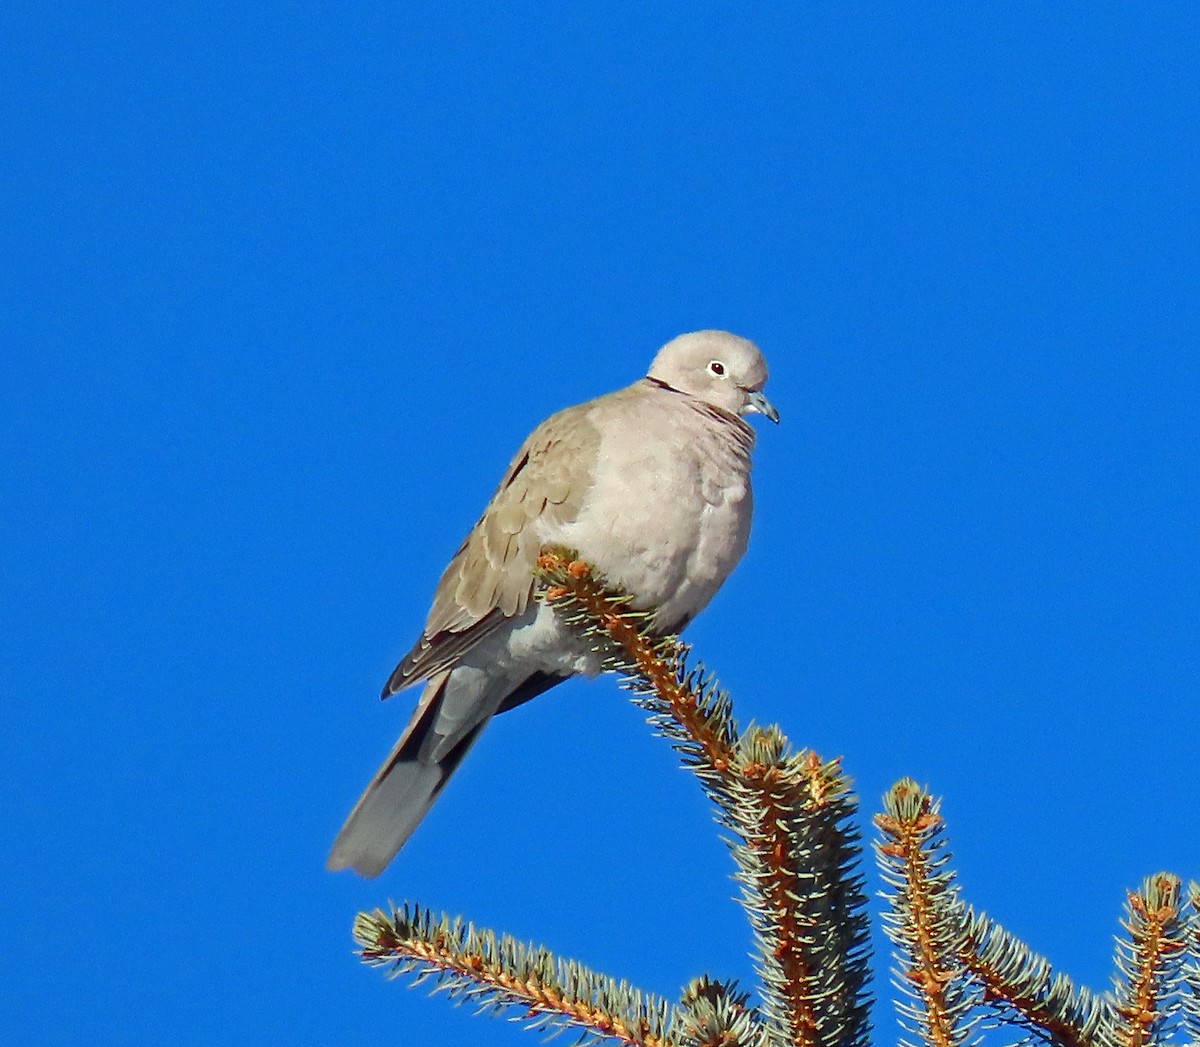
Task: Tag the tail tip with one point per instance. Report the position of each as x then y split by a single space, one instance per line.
365 865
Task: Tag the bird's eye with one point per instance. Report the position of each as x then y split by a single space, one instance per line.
717 368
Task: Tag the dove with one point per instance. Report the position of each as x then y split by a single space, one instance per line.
650 484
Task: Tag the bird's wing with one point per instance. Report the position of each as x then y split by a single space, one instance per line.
490 578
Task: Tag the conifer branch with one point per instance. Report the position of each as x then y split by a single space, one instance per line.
717 1014
1148 982
1022 987
923 923
791 814
1190 992
469 963
688 709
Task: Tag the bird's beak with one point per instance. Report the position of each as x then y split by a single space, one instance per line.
756 402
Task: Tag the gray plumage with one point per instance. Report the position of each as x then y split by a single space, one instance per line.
650 483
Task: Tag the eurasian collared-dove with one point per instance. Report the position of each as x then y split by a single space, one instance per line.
651 484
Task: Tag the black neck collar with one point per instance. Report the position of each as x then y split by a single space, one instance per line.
661 384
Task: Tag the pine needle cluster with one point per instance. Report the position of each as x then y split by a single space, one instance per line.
790 819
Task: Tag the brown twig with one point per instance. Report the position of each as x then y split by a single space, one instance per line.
926 973
1026 1004
767 788
580 583
443 952
779 894
1155 942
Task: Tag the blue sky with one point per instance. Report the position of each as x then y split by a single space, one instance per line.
284 287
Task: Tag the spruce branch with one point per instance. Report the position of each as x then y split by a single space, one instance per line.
473 964
1022 988
790 818
1149 981
923 922
790 814
1190 991
686 706
718 1014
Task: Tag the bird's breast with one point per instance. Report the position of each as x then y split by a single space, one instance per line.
668 516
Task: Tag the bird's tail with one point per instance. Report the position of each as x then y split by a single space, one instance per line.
403 789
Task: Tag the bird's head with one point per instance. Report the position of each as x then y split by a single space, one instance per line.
717 367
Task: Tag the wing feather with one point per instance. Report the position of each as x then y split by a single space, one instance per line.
490 578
